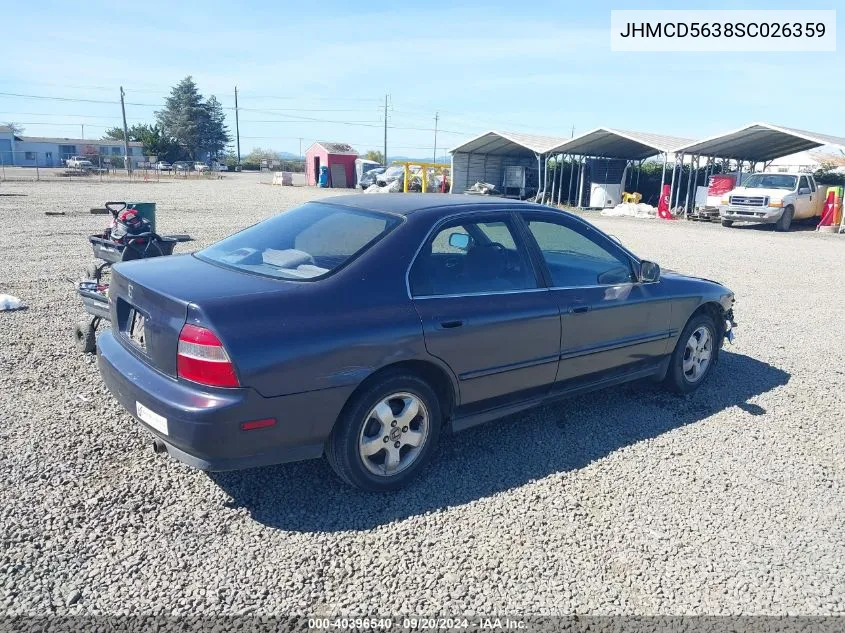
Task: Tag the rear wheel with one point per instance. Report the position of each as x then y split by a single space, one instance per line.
694 355
785 220
386 434
727 223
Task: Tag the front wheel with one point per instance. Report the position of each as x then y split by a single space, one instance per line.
386 434
785 220
694 355
727 223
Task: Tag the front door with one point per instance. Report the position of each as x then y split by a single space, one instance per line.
484 312
609 320
803 199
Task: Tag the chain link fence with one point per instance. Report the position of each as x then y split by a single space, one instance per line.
22 166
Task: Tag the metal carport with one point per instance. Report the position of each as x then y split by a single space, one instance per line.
754 143
610 143
484 157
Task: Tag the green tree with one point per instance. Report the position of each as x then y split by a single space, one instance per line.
184 116
198 126
215 134
829 174
153 141
375 155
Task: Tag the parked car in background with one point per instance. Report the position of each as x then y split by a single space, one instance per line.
773 198
163 165
368 178
389 174
220 167
181 165
200 167
79 162
360 327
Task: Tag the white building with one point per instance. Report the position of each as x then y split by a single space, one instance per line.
31 151
808 161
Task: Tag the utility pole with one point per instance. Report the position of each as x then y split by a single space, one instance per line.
436 119
572 134
385 130
237 128
126 160
300 148
83 130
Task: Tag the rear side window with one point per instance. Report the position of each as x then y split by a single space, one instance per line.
307 242
466 257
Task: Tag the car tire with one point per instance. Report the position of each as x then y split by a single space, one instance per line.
785 220
370 438
727 223
85 337
686 373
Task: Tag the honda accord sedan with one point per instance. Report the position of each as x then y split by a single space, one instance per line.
364 328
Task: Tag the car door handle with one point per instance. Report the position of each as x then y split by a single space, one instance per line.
579 309
448 325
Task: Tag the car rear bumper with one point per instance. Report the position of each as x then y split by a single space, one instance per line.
751 214
203 427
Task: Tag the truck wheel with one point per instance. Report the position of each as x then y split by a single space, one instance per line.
728 223
785 220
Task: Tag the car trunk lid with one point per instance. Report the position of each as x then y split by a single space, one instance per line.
151 301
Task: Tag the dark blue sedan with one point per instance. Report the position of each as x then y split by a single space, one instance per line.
363 327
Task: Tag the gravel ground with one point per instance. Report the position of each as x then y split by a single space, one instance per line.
633 501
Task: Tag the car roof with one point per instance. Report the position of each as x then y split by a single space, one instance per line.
410 203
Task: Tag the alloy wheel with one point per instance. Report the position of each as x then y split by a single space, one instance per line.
393 434
697 354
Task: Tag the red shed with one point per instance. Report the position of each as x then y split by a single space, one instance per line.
338 157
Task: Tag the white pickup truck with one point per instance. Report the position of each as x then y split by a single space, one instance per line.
773 198
79 162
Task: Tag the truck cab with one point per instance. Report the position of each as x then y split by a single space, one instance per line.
773 198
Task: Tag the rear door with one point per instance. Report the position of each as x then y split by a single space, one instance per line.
484 311
609 320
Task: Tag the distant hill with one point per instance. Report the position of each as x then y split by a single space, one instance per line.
426 159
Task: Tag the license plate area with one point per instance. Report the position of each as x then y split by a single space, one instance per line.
136 329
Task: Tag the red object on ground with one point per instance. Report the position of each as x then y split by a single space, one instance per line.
829 209
663 205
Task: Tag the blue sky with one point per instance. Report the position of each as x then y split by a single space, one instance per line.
539 67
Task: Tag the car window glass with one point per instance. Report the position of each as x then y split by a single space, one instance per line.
468 258
812 182
575 260
802 183
307 242
497 232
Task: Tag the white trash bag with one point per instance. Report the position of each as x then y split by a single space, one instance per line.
8 302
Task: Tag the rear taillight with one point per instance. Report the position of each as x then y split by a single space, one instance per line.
201 358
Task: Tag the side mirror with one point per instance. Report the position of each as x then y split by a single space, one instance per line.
649 272
459 240
803 190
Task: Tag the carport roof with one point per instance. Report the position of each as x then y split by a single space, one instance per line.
610 143
760 142
494 142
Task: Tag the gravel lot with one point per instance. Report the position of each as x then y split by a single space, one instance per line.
632 501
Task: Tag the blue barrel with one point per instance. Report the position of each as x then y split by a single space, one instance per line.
324 177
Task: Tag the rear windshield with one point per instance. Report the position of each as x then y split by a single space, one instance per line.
307 242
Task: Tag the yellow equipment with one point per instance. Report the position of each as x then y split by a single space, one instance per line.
632 197
424 167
